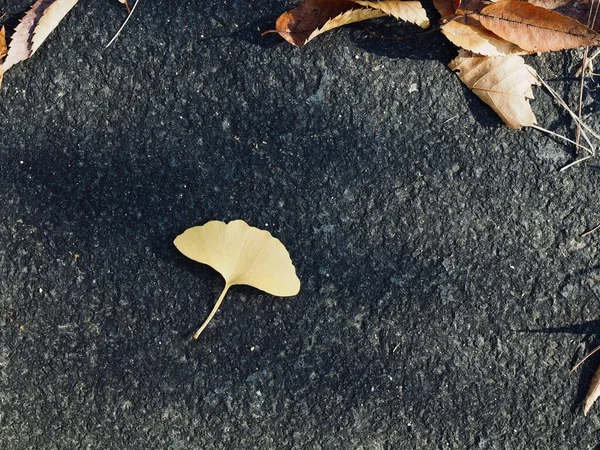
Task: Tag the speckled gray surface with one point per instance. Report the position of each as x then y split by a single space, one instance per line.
430 241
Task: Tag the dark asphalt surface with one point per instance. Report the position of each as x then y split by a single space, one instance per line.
446 290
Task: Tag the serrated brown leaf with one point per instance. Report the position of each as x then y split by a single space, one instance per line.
593 392
468 33
503 82
41 19
409 11
535 29
296 25
575 9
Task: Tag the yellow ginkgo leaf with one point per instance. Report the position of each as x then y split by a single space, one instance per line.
242 255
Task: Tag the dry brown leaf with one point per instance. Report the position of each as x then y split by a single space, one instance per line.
535 29
409 11
43 17
575 9
242 255
296 25
593 392
503 82
352 16
468 33
50 19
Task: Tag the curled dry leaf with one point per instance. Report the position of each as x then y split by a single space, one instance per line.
503 82
296 25
408 11
351 16
535 29
314 17
242 255
43 17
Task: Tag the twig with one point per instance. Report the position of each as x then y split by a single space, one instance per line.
562 103
587 233
584 359
564 138
591 21
574 163
123 26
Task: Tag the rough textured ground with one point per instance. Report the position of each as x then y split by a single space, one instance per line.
446 289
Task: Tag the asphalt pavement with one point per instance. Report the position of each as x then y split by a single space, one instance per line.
446 288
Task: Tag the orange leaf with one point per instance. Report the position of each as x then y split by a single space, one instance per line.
3 48
445 8
296 25
535 29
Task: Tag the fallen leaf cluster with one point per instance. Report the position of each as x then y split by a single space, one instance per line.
33 29
490 34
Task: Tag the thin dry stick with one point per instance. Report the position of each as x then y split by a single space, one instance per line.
560 136
591 21
584 359
574 163
562 103
587 233
122 26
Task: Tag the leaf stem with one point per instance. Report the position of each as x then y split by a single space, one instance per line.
122 26
213 312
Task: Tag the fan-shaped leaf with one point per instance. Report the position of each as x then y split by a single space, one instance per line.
242 255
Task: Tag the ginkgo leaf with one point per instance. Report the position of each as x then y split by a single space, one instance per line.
593 392
351 16
468 33
297 24
242 255
43 17
410 11
535 29
503 82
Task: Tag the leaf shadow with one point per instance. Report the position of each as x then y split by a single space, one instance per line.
587 369
252 33
391 39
